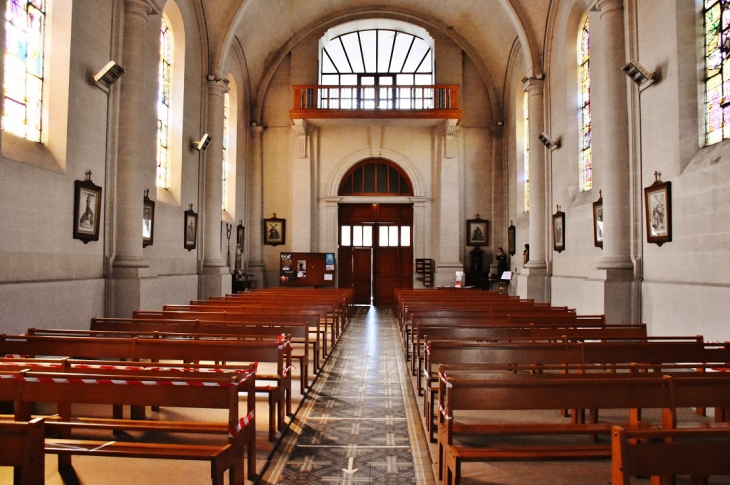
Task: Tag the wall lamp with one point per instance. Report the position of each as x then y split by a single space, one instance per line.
109 74
545 139
639 75
201 145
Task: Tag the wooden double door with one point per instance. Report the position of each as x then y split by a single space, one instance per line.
375 250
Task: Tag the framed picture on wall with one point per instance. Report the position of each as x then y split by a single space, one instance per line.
511 239
148 220
191 229
598 221
477 232
559 230
87 210
658 205
274 231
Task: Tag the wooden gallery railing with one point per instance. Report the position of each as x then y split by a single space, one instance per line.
439 101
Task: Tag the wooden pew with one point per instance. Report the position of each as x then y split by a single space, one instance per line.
22 448
248 316
298 331
565 355
476 331
696 452
157 350
626 392
236 433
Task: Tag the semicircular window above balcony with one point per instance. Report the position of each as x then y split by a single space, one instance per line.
376 52
375 176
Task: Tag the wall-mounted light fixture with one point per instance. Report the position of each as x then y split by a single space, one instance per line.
108 74
639 75
201 145
545 139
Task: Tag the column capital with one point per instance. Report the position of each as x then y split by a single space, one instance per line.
257 130
217 87
605 6
532 85
142 7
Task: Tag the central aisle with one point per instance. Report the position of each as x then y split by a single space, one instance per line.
357 424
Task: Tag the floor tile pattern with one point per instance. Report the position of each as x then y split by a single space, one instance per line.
356 430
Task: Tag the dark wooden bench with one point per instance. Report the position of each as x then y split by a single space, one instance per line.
515 332
297 330
22 448
173 350
457 396
237 434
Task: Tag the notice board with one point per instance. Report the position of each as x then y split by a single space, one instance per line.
307 269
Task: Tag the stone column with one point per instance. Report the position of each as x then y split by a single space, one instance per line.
611 160
536 268
451 223
302 187
216 277
256 184
137 130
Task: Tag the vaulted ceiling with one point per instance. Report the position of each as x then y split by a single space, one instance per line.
486 29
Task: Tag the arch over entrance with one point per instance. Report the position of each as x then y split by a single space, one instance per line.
375 239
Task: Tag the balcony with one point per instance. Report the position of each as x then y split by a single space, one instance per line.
434 102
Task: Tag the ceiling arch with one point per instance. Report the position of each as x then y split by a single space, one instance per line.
484 29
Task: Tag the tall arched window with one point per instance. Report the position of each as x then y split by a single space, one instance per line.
586 158
526 141
23 85
717 71
226 103
163 106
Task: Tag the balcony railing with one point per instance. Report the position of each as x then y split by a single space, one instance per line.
435 101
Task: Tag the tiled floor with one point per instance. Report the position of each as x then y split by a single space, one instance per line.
354 425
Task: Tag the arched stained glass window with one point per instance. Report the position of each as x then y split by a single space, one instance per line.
526 141
375 177
586 157
163 106
717 70
226 102
23 86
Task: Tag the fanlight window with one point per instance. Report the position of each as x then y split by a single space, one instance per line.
379 57
375 177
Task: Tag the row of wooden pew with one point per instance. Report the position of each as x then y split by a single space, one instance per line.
193 356
479 356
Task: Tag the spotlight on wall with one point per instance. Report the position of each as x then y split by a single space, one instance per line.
109 74
639 75
202 144
545 139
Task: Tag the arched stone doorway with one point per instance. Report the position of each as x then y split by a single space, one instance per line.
375 239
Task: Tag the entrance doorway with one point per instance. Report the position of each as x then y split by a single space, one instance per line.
375 250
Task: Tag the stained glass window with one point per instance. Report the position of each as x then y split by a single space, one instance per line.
586 159
526 116
23 88
225 151
717 71
163 107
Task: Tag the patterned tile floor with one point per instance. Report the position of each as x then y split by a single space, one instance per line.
354 425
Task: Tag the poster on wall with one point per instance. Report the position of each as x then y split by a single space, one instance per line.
287 272
329 262
302 268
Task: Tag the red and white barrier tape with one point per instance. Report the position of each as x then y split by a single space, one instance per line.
442 410
242 423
